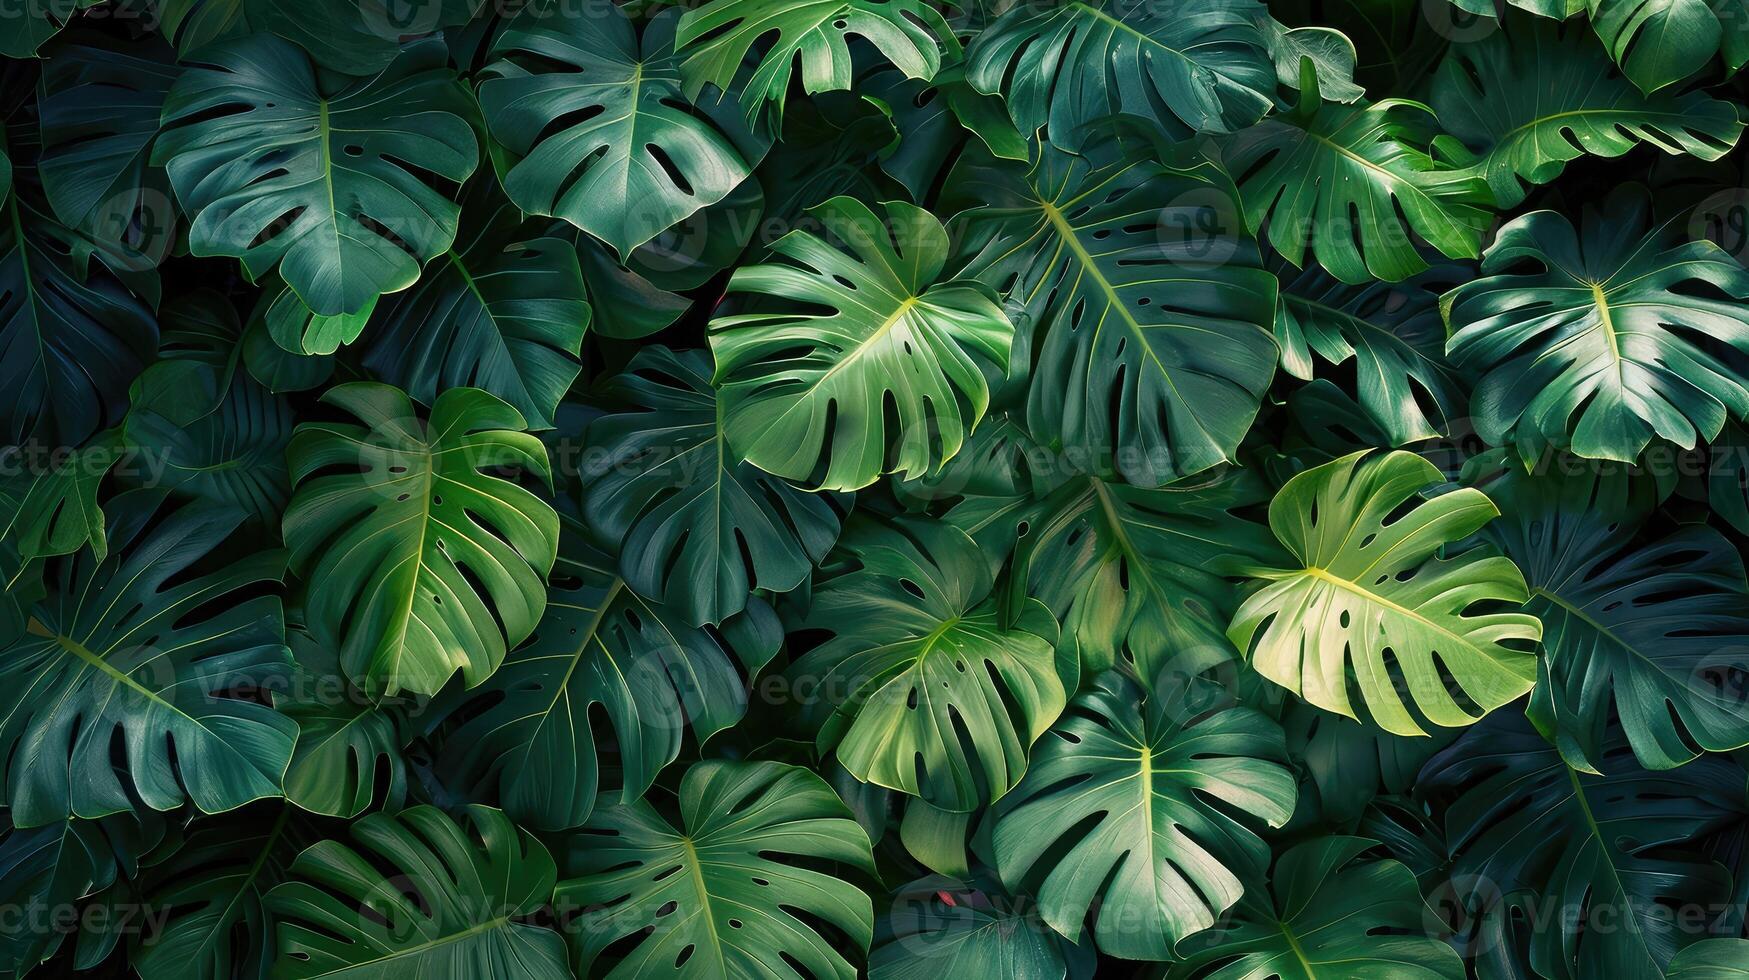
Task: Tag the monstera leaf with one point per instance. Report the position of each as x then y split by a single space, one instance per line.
1371 580
72 336
1661 42
1332 913
1597 340
807 395
696 529
1533 98
524 737
382 541
1613 854
1355 186
498 311
99 115
1395 336
1189 66
455 906
144 649
329 186
716 40
1117 811
210 889
924 687
638 159
1152 340
735 893
1654 626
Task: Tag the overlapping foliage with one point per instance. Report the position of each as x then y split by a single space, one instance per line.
1205 489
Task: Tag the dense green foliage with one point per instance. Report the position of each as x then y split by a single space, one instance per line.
1193 489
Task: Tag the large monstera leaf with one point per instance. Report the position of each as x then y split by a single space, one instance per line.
1601 338
145 650
807 394
456 905
395 521
1190 66
716 40
1393 333
1530 99
72 336
1356 187
1371 579
524 737
696 529
1331 911
924 686
720 896
638 158
1613 855
1118 811
1152 341
1655 626
277 169
499 310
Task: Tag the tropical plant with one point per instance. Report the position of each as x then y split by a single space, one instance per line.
561 489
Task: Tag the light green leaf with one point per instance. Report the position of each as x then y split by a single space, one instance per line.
1370 579
806 394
